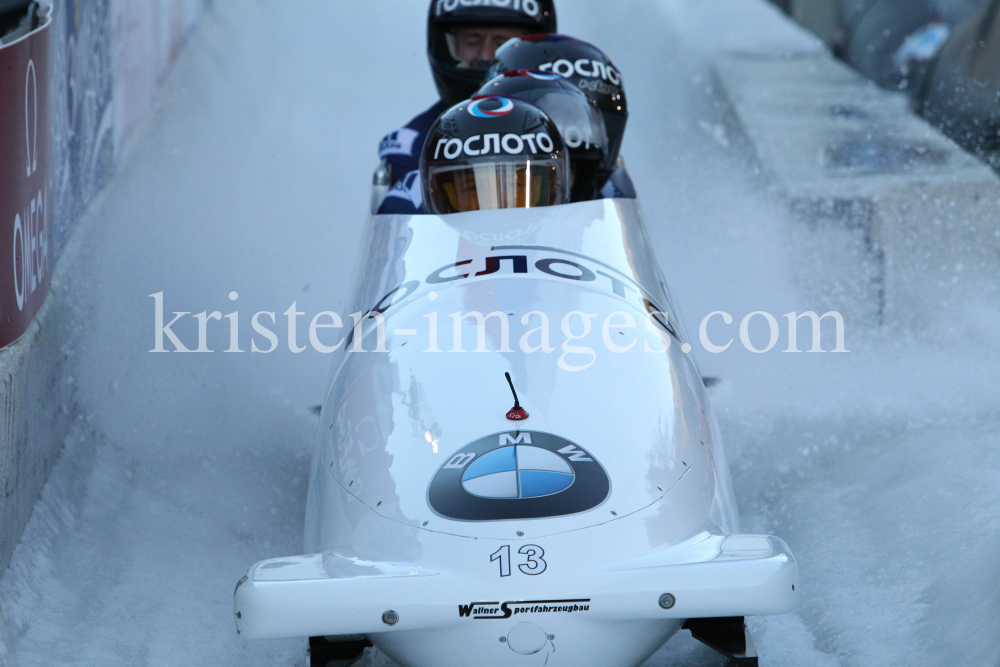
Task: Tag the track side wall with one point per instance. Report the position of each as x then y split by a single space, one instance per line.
106 59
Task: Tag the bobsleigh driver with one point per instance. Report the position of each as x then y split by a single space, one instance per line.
491 153
461 43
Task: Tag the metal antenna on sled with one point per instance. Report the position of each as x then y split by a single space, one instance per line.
517 413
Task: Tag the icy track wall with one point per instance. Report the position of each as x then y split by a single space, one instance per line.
872 184
104 61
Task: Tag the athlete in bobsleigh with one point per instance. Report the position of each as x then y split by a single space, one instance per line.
494 153
588 68
576 120
461 44
579 123
459 66
582 528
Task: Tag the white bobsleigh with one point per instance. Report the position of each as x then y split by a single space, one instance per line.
586 534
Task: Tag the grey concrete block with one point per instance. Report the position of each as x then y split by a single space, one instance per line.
908 222
38 401
818 16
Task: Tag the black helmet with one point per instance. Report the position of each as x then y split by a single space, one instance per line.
493 152
582 63
579 122
455 80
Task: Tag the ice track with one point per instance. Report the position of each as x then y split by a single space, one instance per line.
881 468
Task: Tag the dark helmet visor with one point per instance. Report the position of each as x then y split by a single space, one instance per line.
487 186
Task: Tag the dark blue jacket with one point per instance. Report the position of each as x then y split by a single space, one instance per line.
401 151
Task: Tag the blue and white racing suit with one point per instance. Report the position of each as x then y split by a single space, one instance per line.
401 152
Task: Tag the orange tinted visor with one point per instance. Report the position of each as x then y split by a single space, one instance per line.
493 185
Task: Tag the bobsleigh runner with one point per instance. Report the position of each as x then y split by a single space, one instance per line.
586 529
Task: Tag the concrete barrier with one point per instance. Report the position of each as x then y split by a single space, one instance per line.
105 60
38 398
906 223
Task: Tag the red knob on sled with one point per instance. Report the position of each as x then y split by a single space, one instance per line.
517 413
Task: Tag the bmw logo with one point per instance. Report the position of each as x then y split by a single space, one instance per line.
518 475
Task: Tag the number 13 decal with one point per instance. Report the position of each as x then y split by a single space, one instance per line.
534 564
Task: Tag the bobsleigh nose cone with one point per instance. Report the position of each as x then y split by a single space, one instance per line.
526 638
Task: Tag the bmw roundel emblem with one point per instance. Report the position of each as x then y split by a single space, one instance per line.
518 475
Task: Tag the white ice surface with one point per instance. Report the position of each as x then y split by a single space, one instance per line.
880 468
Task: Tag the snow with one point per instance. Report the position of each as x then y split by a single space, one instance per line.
880 467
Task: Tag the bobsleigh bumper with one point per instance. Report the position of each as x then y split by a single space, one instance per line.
327 594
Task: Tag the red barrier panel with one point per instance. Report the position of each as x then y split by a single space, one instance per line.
24 181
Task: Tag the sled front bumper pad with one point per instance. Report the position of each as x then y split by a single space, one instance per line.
327 594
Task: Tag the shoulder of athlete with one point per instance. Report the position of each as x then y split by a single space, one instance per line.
405 197
408 140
